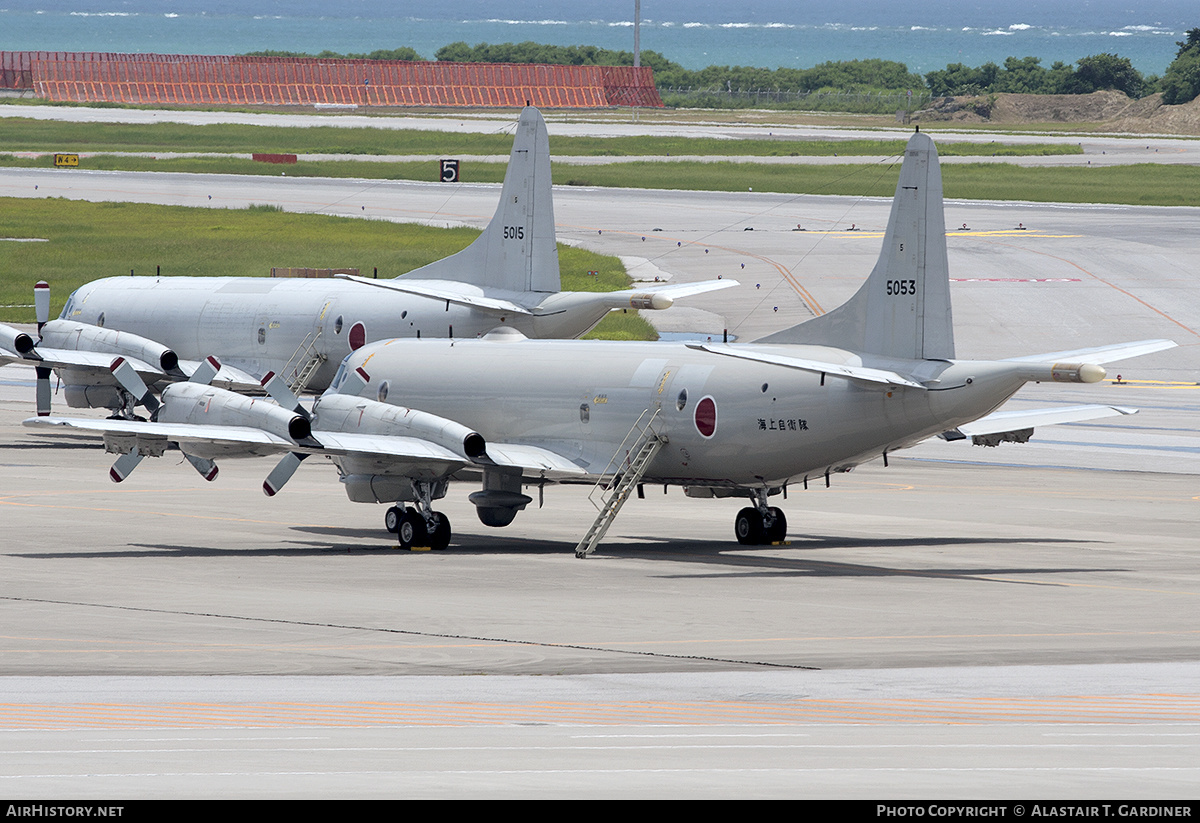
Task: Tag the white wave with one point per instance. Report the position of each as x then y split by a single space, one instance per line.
101 14
507 22
998 32
695 25
1120 34
1020 27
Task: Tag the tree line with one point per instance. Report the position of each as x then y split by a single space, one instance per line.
1179 84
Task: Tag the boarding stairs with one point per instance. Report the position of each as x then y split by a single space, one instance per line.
305 361
621 476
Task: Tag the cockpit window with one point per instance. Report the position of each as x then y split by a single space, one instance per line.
337 379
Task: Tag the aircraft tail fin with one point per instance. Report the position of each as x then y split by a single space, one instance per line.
903 310
517 251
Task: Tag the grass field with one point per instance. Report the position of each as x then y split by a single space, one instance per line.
26 134
73 242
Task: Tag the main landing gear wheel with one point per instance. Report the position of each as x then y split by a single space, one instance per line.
778 530
748 526
751 529
439 538
412 530
391 520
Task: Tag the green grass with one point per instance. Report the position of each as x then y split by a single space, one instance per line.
86 241
25 134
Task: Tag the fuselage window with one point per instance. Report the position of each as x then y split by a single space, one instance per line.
337 325
100 320
681 401
383 391
585 412
262 334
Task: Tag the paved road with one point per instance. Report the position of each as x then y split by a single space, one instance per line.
1101 149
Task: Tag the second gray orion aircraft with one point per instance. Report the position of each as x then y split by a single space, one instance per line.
402 418
165 327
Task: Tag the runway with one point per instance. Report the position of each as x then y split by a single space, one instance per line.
967 622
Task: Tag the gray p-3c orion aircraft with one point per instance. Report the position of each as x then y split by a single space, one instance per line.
301 329
402 418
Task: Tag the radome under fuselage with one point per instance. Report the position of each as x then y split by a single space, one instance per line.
729 422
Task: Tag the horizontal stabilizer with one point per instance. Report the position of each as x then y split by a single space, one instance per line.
443 292
1012 420
1099 354
863 373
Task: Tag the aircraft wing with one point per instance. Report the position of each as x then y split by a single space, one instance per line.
533 458
228 377
863 373
1099 354
395 453
263 442
1000 422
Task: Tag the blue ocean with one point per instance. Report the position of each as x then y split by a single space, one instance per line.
768 33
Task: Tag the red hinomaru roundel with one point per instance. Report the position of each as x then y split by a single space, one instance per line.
706 417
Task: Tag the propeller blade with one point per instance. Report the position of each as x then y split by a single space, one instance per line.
43 390
206 371
125 464
207 468
128 377
282 473
41 303
282 393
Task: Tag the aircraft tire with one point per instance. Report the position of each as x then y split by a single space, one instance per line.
778 530
410 528
748 527
392 518
439 538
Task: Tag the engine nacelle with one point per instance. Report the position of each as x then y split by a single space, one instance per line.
69 334
14 340
198 403
349 413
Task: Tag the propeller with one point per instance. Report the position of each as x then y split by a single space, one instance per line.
131 382
41 306
41 303
282 473
206 371
282 394
207 468
125 464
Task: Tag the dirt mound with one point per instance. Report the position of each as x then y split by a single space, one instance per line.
1099 111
